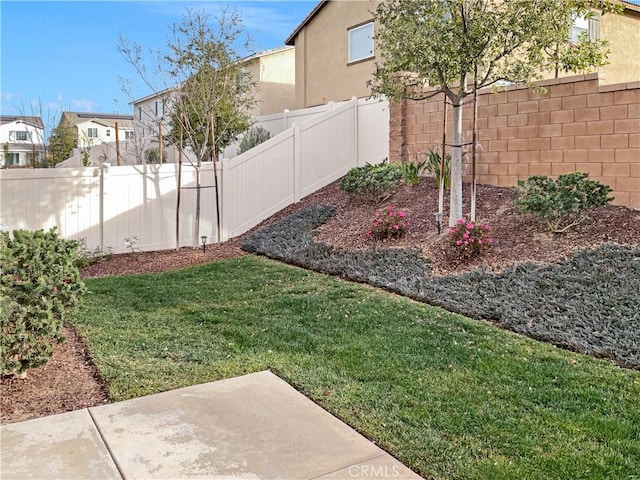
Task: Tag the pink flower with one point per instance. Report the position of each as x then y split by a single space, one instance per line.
471 240
466 243
461 221
402 214
479 241
465 235
452 230
458 242
489 240
369 232
396 227
377 214
390 208
487 227
470 226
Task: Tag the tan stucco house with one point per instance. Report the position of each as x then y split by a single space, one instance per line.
335 52
274 72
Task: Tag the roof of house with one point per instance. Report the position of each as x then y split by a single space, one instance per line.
291 40
29 120
105 119
266 53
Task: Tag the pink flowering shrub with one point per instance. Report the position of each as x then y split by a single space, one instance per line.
389 223
468 239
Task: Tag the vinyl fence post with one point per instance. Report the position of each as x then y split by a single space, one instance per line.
224 201
297 162
356 139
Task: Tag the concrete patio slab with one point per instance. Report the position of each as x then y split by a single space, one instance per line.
60 446
251 427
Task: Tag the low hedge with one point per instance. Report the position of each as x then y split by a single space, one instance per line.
587 303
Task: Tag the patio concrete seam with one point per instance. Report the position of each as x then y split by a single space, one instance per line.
382 453
106 444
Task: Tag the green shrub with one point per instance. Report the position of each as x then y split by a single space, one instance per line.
376 182
433 167
254 137
152 155
561 204
39 286
412 171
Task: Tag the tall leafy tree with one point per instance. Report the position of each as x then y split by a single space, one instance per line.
456 47
61 144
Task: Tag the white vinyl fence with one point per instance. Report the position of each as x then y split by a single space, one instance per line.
107 206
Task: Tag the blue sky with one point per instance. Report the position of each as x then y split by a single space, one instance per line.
63 55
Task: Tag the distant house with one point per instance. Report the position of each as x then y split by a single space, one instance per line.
336 53
21 140
272 70
91 129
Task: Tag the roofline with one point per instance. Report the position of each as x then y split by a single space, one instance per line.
630 6
154 95
291 40
264 53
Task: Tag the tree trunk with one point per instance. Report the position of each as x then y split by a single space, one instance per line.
196 221
455 201
443 159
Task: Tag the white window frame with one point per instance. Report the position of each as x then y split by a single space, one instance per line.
108 132
91 130
358 55
128 135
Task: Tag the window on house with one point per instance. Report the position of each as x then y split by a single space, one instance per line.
92 132
19 136
108 132
580 26
159 108
11 159
128 134
139 113
361 42
585 24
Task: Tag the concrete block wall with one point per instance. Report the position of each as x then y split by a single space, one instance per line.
576 124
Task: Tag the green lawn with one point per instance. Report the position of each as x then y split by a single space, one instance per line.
449 396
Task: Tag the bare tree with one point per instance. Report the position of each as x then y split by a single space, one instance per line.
206 93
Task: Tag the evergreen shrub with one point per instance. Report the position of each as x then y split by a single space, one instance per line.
375 182
562 203
39 286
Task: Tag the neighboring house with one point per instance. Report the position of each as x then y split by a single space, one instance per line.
91 129
336 54
272 70
21 140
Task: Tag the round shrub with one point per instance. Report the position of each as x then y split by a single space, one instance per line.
389 223
468 239
563 203
376 182
253 138
40 286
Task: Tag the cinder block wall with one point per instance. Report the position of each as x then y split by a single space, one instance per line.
577 124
